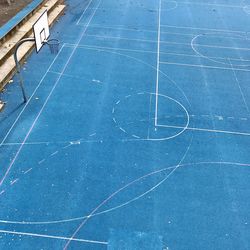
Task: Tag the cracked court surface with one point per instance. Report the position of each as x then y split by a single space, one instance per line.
136 135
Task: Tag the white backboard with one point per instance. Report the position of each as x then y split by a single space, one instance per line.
41 30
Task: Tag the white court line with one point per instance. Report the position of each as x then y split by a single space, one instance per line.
162 170
151 66
115 27
149 119
99 26
203 28
110 197
211 4
39 84
27 171
95 47
46 101
150 51
204 66
52 237
182 2
27 143
242 32
123 38
56 152
118 27
29 132
134 7
206 130
158 63
73 235
48 142
193 46
167 42
87 7
238 83
130 28
14 181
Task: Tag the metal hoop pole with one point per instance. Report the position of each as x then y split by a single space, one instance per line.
18 66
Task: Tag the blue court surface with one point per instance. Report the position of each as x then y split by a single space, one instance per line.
136 134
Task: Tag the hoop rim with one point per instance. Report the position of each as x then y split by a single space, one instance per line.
52 41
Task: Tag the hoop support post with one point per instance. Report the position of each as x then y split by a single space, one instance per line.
18 66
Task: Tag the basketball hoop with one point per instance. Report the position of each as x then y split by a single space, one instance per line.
53 45
41 37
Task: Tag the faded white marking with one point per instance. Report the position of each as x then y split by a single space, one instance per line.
204 66
52 237
75 142
97 81
56 152
122 129
14 181
219 117
207 130
135 136
27 171
40 162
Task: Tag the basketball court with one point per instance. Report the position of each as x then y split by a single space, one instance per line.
135 135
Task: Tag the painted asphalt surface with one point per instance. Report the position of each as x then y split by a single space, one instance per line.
136 135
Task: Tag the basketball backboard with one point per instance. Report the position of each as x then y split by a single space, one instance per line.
41 30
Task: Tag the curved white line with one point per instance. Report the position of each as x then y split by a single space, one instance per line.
118 191
171 8
143 62
183 128
126 203
210 58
